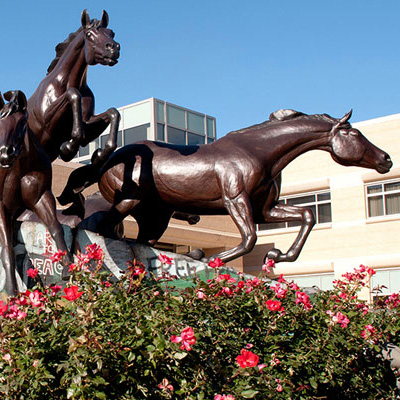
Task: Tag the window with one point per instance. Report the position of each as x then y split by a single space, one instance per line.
176 117
390 278
195 122
195 139
383 198
104 138
323 281
210 128
135 134
160 132
176 136
320 204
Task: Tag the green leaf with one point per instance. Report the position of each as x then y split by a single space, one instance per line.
180 356
249 393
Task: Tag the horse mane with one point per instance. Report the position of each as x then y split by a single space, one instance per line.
61 47
8 109
282 115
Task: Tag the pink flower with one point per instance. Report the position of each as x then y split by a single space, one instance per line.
36 298
303 298
280 292
226 277
216 263
73 267
7 357
368 331
165 259
35 363
94 252
247 359
71 293
200 294
187 338
274 305
32 272
15 313
341 319
224 397
58 255
261 367
165 385
371 271
268 265
279 388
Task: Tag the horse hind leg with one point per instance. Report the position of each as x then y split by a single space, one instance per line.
288 213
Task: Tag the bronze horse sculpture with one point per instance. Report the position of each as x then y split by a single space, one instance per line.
239 175
61 110
25 182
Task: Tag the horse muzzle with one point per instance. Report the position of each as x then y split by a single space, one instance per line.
8 154
385 164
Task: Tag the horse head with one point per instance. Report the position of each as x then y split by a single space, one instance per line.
350 147
100 46
13 126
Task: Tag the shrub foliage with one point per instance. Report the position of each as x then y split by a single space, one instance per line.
141 338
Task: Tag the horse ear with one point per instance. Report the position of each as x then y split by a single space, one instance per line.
104 19
1 101
346 117
85 19
18 97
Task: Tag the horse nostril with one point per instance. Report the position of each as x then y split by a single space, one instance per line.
109 46
10 150
387 158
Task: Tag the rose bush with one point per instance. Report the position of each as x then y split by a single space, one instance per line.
141 338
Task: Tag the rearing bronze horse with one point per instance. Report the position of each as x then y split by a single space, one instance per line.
239 175
61 110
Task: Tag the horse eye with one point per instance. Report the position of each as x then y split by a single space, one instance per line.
88 34
344 132
353 133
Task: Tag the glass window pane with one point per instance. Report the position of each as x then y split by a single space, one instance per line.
392 203
210 128
160 112
103 140
301 200
394 280
324 213
176 117
392 186
327 282
135 134
268 226
195 139
375 206
176 136
323 196
84 151
160 132
195 122
374 189
381 278
298 223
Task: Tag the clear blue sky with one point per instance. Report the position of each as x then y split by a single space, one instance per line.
238 61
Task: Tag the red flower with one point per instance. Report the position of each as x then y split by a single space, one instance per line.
165 259
32 272
3 308
71 293
94 252
247 359
274 305
216 263
58 255
187 338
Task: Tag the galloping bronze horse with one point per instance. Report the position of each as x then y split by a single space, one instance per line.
61 110
239 175
25 182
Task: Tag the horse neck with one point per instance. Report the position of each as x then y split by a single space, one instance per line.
71 69
296 143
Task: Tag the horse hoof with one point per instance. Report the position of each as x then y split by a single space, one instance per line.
196 254
68 150
273 254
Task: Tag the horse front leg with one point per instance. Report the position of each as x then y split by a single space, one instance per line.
287 213
95 126
240 210
69 149
45 209
7 252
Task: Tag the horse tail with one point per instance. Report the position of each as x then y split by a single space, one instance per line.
79 179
